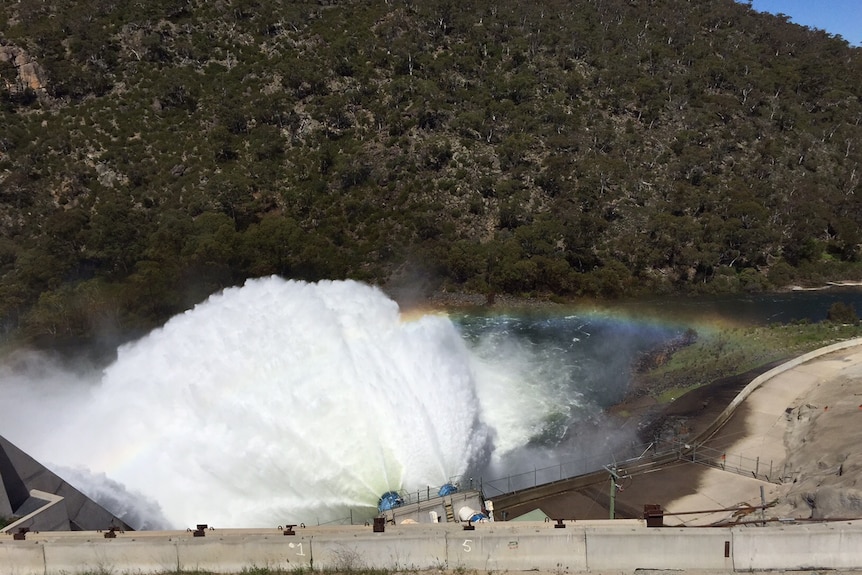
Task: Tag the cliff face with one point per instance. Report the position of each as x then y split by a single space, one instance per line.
29 75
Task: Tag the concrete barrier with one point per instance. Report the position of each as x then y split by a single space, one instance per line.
577 548
235 553
400 550
521 549
659 548
797 547
100 555
19 559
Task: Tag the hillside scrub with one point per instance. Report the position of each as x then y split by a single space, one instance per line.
729 352
154 153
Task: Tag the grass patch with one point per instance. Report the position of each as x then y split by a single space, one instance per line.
670 395
728 352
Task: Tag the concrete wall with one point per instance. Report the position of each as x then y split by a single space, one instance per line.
725 415
658 548
578 547
100 555
795 547
526 549
20 559
235 553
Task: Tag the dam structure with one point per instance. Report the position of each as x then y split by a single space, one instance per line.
39 500
430 533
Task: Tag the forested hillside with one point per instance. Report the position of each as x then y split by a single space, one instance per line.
153 152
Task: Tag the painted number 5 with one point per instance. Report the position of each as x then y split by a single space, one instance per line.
466 545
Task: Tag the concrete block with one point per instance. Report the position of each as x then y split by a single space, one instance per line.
395 550
121 555
21 558
615 549
798 547
236 553
490 549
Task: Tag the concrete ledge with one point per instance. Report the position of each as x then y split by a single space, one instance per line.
51 514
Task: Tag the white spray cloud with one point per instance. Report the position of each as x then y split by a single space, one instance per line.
285 402
274 402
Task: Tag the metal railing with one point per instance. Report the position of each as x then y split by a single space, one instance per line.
628 460
632 459
752 467
621 458
431 492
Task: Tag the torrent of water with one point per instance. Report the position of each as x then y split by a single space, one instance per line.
285 402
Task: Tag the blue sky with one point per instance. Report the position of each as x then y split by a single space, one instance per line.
842 17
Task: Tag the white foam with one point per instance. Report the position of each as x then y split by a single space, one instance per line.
283 401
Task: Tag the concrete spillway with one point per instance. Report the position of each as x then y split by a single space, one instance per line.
40 500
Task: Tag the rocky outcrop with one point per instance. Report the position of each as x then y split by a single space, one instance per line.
824 465
30 74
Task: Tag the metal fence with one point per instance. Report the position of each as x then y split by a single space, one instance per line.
621 458
735 463
630 457
641 454
365 514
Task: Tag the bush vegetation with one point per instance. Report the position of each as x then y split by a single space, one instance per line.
171 148
728 352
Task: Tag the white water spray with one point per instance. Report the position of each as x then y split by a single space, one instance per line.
283 401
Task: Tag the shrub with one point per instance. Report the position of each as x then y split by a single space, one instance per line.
840 312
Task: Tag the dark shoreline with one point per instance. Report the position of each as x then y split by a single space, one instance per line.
692 412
